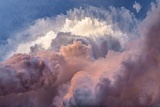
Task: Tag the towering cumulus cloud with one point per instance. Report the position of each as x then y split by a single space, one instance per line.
84 61
93 25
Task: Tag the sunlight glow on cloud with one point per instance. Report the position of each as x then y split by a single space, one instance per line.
44 42
79 22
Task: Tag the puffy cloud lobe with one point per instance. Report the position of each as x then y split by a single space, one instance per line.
22 73
25 72
96 47
89 88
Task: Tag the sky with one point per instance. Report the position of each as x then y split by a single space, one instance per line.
79 53
16 15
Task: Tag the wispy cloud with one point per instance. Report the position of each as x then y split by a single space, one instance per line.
137 7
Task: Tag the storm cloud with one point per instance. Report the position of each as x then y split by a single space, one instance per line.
83 60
